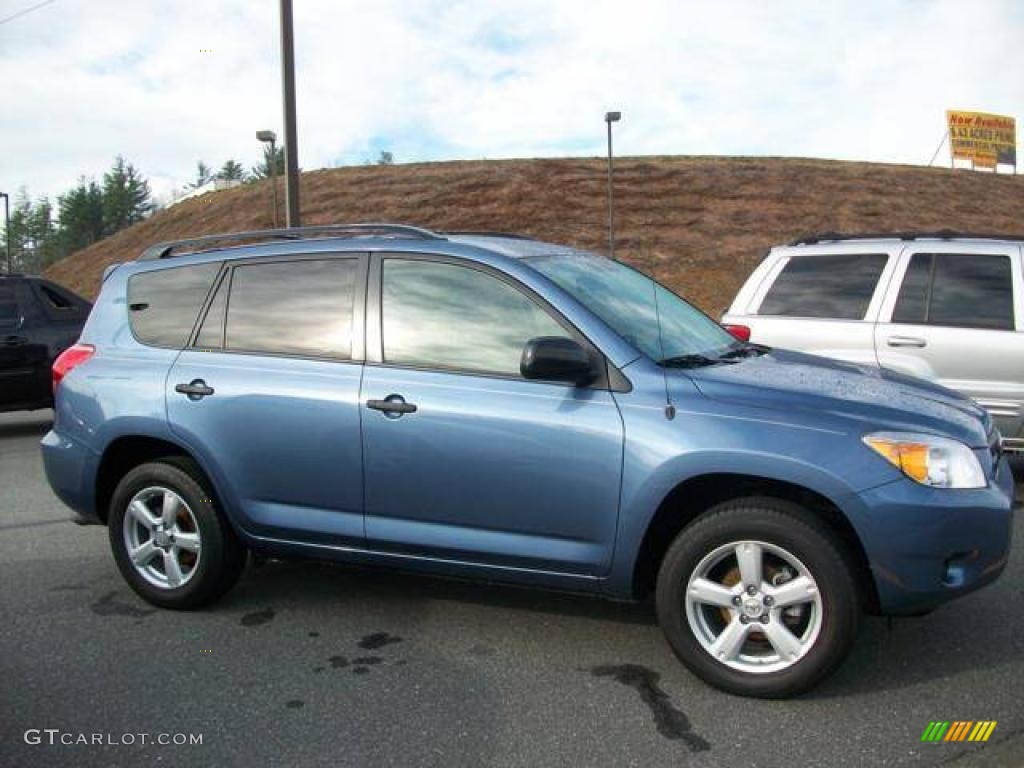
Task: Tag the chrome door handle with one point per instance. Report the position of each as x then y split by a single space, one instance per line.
195 389
906 341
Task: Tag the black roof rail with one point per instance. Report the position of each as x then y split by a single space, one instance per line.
382 229
487 233
941 234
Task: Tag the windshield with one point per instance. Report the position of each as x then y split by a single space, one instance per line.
632 303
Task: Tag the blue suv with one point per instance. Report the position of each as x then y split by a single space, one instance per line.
490 406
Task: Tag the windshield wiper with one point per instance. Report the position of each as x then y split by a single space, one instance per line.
692 361
745 350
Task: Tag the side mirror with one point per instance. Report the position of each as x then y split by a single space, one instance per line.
556 358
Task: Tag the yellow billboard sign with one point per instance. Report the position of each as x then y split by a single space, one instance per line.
986 140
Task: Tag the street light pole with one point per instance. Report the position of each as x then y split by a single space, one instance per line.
291 147
269 137
609 118
7 229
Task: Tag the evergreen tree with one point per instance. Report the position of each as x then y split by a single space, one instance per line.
270 160
81 216
204 175
126 197
231 171
17 231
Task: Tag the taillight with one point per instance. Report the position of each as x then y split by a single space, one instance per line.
741 332
68 359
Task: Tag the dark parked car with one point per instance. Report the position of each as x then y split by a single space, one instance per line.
38 320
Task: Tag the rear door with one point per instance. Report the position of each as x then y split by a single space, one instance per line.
954 316
268 393
822 301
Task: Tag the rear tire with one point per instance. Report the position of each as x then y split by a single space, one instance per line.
758 639
171 543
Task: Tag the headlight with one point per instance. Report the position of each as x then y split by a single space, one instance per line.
929 459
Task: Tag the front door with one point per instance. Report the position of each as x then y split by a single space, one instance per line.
470 461
268 394
952 320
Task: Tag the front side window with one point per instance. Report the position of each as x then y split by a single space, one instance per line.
438 315
836 286
163 304
299 307
635 307
964 290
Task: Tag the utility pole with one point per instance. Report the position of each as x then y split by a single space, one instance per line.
269 137
609 118
291 146
7 229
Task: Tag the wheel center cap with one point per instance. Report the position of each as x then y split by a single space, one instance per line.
161 538
752 607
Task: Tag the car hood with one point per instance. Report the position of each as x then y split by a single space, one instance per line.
878 399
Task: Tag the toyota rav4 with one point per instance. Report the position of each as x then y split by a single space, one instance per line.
495 407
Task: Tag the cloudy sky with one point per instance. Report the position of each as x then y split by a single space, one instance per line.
169 83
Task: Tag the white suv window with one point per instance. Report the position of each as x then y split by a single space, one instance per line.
963 290
838 286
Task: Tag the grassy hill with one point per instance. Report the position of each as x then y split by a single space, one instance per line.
699 224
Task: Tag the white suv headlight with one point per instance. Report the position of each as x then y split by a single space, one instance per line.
929 459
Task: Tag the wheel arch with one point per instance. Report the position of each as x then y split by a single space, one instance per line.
690 498
125 453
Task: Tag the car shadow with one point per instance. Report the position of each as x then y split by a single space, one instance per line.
26 425
974 633
331 584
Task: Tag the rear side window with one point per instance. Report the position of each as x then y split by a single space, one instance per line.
300 307
163 304
965 290
834 286
54 299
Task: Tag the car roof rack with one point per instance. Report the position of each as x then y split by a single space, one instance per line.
372 229
487 233
942 234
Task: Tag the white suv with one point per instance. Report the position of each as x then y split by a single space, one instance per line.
942 306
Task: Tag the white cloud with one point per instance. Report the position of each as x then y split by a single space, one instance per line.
437 80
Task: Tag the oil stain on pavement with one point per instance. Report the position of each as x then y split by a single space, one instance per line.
256 618
671 722
378 640
109 605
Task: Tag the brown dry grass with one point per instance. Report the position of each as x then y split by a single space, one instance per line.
699 224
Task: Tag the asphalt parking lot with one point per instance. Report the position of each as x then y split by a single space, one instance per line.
309 664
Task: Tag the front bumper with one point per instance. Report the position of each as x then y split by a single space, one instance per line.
926 545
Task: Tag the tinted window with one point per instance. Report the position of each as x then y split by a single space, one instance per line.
963 290
163 304
912 302
445 316
55 299
9 314
839 286
301 307
211 335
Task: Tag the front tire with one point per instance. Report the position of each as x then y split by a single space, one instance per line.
757 599
171 543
